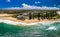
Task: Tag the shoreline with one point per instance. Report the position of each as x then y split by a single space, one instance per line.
24 23
7 18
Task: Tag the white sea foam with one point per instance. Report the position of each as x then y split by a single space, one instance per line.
16 23
9 22
46 23
24 23
52 28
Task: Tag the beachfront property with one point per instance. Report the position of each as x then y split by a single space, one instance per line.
33 13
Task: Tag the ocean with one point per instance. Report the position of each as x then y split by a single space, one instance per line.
39 30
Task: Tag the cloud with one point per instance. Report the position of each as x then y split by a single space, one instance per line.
37 2
29 7
8 0
58 5
11 8
37 7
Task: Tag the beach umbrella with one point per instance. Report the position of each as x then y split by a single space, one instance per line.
58 12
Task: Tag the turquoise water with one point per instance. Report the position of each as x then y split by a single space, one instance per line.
39 30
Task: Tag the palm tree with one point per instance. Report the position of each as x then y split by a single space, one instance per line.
48 15
41 15
30 17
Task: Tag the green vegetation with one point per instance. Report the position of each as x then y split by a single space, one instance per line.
35 14
46 15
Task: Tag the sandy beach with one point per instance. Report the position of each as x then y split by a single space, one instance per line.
9 17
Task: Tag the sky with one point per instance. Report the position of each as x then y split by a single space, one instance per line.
29 3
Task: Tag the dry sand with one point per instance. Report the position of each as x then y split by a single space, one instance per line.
8 17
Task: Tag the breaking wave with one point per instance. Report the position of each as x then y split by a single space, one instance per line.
41 29
24 23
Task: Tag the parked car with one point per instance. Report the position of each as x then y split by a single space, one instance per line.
21 17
